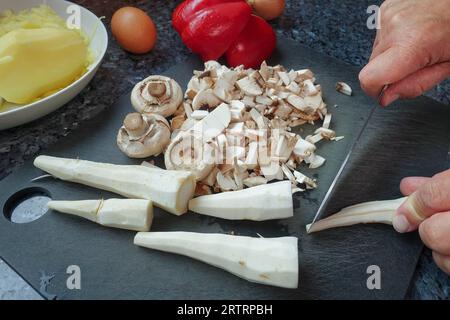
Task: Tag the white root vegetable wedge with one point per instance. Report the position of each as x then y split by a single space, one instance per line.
169 190
259 203
130 214
367 212
270 261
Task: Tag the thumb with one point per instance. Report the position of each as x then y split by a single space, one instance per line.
430 198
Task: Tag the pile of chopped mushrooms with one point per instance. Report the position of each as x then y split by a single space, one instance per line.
233 129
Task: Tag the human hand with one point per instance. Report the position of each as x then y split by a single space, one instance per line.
428 208
411 52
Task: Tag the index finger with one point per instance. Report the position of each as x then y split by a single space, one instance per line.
388 67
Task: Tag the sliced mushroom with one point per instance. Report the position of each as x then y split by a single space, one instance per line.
157 94
326 133
225 182
225 85
237 110
264 71
142 136
260 120
304 74
188 153
344 88
315 161
299 103
205 99
249 86
177 122
272 171
284 78
284 147
313 102
199 114
309 88
202 189
326 121
254 181
304 148
210 179
302 179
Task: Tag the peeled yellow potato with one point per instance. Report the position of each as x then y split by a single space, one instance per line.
35 62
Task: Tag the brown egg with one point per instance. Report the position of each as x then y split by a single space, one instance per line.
268 9
134 30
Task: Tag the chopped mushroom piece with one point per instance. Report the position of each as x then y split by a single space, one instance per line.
254 181
199 114
315 138
326 121
326 133
315 161
258 118
225 182
302 179
344 88
304 74
249 86
205 98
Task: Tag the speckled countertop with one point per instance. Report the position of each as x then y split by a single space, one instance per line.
336 28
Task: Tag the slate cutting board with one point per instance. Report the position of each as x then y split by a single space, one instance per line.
409 138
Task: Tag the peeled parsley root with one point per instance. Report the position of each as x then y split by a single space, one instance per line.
129 214
168 189
367 212
264 202
271 261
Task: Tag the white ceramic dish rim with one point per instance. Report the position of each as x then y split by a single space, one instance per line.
91 68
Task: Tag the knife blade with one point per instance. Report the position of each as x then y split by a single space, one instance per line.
330 191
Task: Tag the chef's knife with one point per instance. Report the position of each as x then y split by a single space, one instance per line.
326 199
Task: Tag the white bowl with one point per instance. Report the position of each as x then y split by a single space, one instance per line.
93 27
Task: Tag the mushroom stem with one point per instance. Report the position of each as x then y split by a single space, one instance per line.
367 212
135 124
157 88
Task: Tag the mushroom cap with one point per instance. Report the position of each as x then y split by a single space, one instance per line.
157 94
188 153
151 141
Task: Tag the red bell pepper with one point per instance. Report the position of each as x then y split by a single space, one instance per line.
253 45
211 30
183 13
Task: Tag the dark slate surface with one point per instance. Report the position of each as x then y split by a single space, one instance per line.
334 28
332 264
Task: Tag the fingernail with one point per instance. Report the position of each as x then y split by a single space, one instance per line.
390 99
400 223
